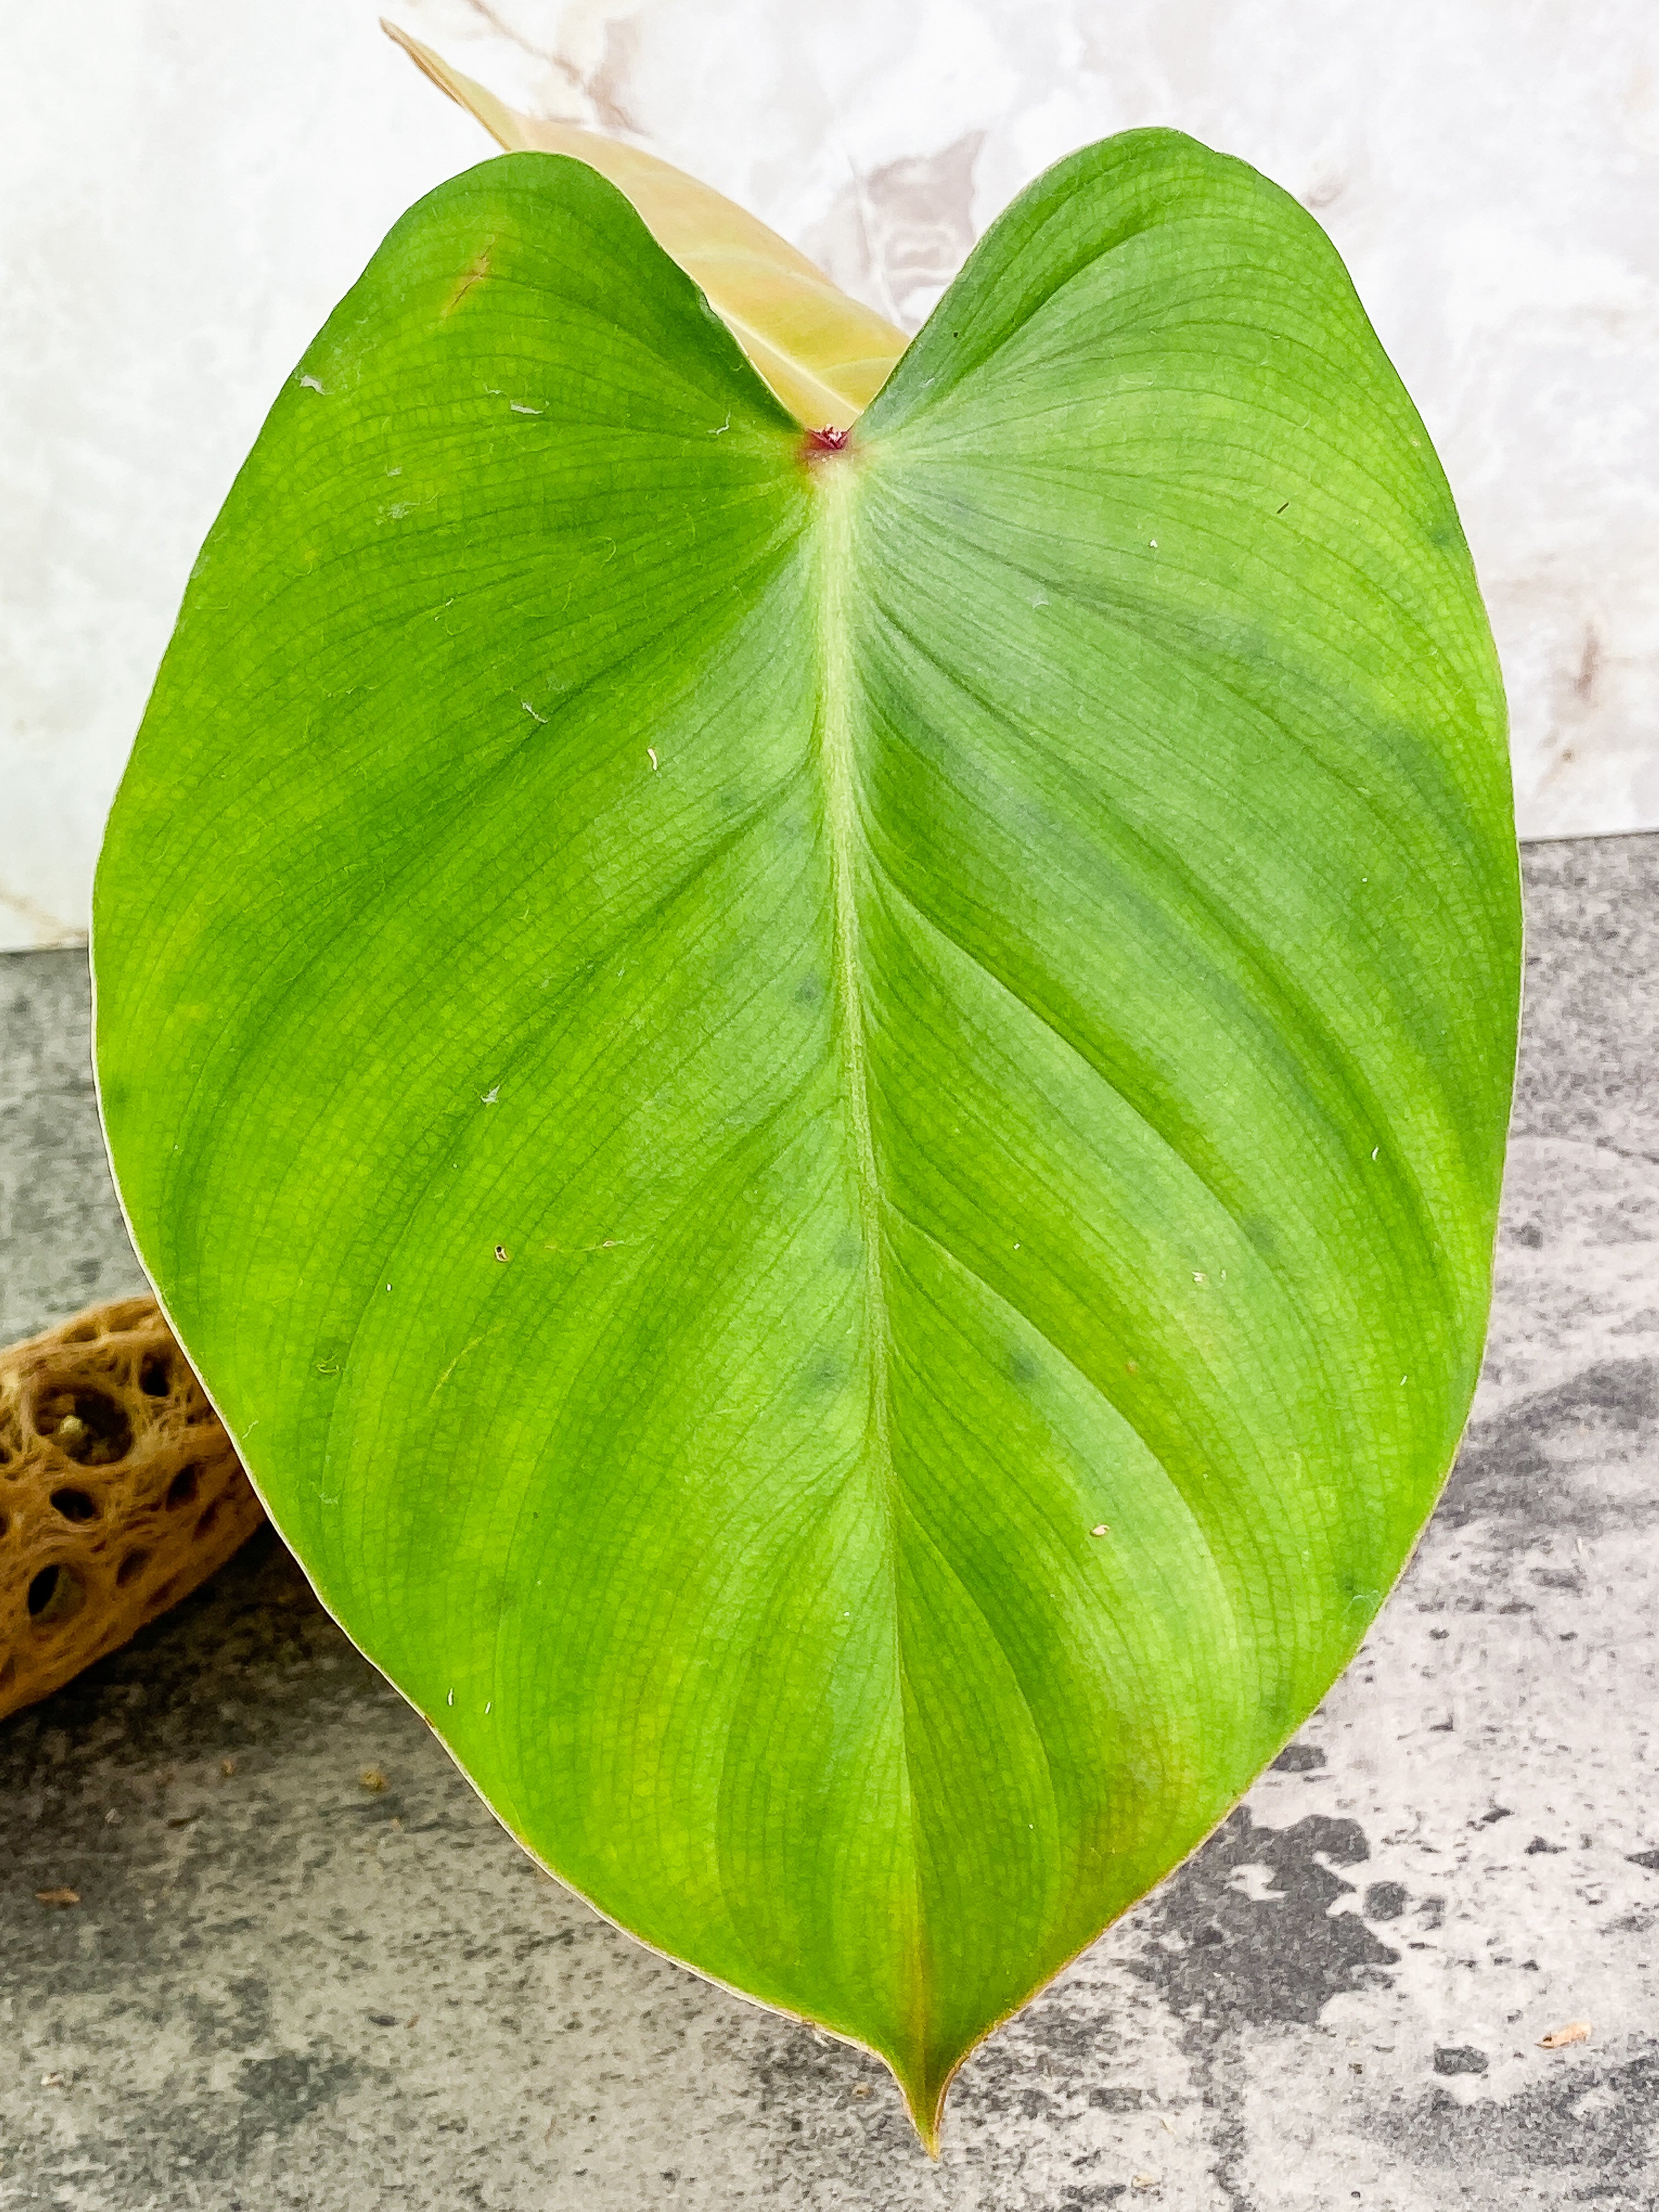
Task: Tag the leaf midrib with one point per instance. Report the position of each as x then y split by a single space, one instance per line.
834 491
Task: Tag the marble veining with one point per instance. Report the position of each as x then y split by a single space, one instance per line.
186 192
1492 179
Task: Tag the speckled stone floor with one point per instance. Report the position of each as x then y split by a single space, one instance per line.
282 1990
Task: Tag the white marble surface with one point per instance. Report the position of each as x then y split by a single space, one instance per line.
185 189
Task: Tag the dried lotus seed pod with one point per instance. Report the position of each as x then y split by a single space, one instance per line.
119 1491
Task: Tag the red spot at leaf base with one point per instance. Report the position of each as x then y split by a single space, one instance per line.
828 440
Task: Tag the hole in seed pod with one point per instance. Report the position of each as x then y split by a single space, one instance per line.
183 1487
155 1376
4 1524
56 1595
74 1505
205 1525
84 1332
134 1564
86 1426
8 1669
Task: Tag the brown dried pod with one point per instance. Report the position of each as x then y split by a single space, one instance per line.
119 1491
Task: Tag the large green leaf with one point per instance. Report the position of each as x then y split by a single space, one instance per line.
829 1121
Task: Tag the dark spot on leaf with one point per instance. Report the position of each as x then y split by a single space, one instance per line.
474 273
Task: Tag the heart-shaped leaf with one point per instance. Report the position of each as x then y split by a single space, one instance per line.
830 1120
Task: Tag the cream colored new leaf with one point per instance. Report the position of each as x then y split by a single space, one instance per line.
826 357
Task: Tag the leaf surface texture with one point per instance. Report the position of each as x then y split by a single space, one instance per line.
830 1123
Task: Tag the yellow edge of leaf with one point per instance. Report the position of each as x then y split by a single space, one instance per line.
825 355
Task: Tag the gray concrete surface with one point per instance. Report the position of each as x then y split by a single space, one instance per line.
281 1988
